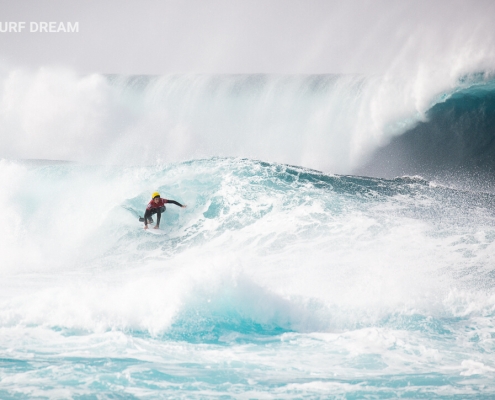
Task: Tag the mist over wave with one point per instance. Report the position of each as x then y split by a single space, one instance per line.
332 123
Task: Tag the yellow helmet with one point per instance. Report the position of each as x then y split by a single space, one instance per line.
155 194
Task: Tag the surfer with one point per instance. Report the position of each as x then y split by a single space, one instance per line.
156 206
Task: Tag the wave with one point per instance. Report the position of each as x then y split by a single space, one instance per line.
456 140
262 249
327 122
271 272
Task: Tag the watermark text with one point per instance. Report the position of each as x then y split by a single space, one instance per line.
39 27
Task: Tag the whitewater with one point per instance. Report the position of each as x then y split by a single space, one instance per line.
288 275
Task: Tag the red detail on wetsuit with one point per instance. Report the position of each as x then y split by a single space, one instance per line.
152 204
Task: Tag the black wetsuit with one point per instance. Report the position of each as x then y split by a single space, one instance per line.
158 211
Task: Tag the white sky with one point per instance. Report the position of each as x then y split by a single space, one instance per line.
249 36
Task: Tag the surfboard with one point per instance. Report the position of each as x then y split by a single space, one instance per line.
155 231
151 228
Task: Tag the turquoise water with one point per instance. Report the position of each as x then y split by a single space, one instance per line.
275 282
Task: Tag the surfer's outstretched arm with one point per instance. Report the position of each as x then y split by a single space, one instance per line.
176 203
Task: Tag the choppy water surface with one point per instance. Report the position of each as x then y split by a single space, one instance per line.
275 281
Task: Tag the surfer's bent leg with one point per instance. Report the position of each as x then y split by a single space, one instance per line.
159 214
149 213
147 216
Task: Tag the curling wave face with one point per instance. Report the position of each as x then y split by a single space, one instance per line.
276 280
455 143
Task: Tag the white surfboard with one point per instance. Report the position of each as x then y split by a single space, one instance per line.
155 231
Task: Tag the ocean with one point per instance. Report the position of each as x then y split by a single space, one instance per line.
338 241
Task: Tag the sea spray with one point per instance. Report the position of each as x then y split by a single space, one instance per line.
328 122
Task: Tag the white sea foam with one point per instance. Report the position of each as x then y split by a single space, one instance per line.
275 273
